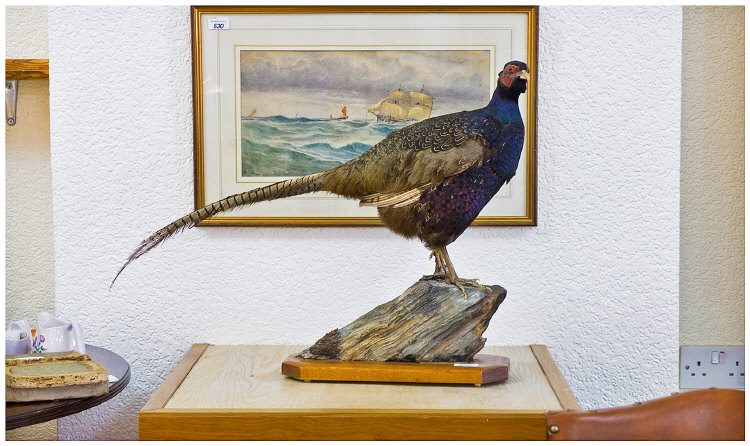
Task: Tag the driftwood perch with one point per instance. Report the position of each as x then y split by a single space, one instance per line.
432 321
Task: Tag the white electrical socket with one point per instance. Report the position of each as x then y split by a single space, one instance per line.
722 367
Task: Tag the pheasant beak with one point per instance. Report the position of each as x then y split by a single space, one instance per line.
524 75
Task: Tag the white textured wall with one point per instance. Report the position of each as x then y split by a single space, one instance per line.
596 281
712 208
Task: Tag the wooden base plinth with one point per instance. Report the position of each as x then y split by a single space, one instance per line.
484 369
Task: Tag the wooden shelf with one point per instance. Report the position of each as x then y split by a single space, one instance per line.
237 392
20 69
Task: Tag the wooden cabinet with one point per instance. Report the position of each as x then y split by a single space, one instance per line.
237 392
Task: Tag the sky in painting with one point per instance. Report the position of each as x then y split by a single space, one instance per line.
316 84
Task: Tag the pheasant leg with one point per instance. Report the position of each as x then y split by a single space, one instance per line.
443 265
444 268
439 265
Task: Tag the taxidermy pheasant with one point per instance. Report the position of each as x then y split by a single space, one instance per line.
428 180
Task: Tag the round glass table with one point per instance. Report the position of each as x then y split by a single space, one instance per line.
25 414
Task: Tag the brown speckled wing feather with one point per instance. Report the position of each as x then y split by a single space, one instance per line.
414 157
443 133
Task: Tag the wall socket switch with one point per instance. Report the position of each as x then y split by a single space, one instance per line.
712 366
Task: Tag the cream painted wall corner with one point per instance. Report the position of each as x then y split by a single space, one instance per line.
29 266
712 178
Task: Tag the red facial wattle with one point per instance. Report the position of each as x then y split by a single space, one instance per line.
506 78
508 74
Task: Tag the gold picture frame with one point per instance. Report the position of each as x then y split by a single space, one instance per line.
220 34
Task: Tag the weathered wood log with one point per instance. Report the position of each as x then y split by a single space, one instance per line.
432 321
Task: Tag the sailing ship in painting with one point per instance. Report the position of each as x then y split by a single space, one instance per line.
343 115
400 106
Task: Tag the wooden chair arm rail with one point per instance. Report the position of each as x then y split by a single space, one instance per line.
707 414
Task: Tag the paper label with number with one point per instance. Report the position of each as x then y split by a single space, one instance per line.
218 23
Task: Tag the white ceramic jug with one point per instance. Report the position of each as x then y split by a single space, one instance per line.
18 338
56 335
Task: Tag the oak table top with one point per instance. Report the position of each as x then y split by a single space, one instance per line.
225 392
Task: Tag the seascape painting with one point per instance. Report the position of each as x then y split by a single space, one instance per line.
305 111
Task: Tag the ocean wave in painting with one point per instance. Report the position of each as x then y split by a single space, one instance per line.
278 146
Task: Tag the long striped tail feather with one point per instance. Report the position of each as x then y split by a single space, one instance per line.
282 189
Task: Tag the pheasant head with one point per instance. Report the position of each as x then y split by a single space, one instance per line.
513 78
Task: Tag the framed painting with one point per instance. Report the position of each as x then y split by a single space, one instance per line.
281 92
